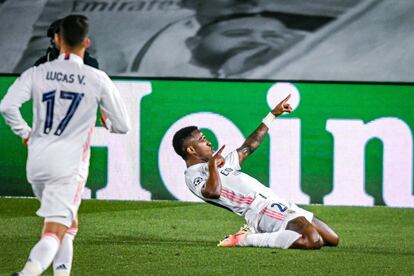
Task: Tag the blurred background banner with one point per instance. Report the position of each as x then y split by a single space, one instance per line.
344 144
345 40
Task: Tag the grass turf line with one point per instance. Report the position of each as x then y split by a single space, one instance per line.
176 238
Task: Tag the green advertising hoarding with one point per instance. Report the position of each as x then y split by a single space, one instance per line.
344 144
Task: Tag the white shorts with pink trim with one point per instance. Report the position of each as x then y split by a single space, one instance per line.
272 215
60 200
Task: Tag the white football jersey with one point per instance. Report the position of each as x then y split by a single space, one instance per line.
66 94
240 193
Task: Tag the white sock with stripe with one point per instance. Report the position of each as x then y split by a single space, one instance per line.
62 264
42 254
280 239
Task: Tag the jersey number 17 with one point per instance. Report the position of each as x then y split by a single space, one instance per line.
49 99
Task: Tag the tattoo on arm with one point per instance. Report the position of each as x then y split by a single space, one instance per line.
252 142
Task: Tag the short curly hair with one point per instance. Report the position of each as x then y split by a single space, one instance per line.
179 140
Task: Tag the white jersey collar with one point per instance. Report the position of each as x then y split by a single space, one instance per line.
71 57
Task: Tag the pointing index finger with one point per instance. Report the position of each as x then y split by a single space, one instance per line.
287 98
220 150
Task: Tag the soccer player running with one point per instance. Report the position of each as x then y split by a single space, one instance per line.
271 221
66 94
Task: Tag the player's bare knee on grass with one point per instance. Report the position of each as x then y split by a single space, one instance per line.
314 240
333 240
336 241
311 239
329 236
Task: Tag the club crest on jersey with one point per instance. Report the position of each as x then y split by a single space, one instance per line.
197 181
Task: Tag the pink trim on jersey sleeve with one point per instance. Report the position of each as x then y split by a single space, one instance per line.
232 196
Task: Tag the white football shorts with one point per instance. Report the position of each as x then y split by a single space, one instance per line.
274 218
60 200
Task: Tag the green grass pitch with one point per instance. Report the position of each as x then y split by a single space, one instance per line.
176 238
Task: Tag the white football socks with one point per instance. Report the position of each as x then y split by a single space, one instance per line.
41 255
62 263
281 239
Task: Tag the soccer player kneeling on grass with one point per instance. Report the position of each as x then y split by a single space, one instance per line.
66 94
271 221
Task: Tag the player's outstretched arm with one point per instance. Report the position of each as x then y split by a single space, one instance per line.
255 139
212 187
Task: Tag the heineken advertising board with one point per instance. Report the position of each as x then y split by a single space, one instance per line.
344 144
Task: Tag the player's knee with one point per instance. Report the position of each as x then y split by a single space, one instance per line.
318 242
312 238
334 240
314 243
306 243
